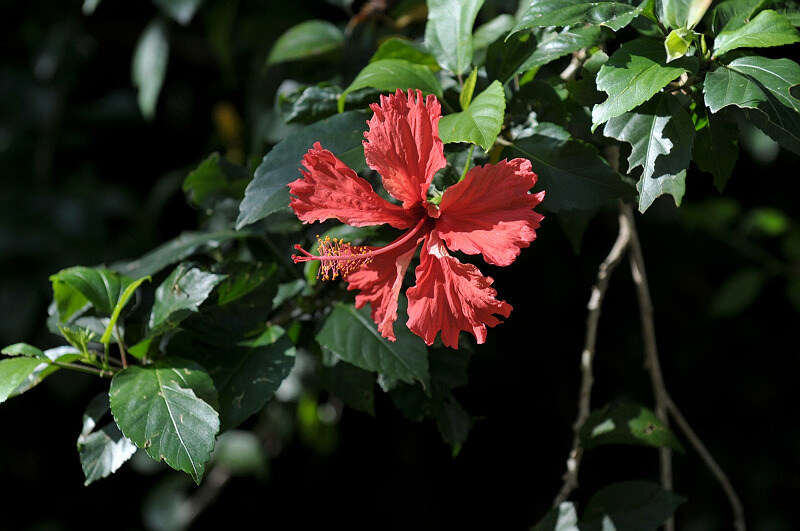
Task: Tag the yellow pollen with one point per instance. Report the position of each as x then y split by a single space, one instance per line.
337 257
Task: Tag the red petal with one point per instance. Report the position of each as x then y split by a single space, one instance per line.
490 211
380 282
451 296
329 189
403 144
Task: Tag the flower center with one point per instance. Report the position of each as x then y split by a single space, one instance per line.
339 258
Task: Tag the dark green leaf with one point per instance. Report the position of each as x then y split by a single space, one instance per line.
267 192
150 65
123 300
356 387
102 451
75 286
241 279
631 505
533 103
572 174
13 372
65 354
480 123
767 29
716 148
626 423
305 40
732 14
181 294
246 377
176 250
661 135
488 33
762 87
738 292
166 409
448 32
505 57
634 74
615 15
388 75
215 179
353 336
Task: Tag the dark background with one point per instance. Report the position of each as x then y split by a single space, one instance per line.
86 180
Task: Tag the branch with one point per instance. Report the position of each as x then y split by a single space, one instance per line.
608 265
664 404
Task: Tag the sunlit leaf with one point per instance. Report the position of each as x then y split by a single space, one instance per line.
180 295
661 135
626 423
13 372
166 409
23 349
633 74
75 286
562 518
102 450
388 75
615 15
413 52
480 123
676 14
762 87
767 29
448 32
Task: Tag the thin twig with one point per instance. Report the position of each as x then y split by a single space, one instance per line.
664 405
651 363
608 265
708 459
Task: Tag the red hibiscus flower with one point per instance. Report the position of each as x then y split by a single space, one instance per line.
489 212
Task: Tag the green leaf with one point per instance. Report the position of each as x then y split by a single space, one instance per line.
448 32
180 295
123 300
676 14
480 123
166 409
677 43
626 423
23 349
555 44
468 90
505 57
716 148
738 292
352 335
767 29
615 15
388 75
267 192
356 387
762 87
75 286
65 354
633 74
562 518
213 180
661 135
177 249
398 48
149 66
631 505
571 172
308 39
181 11
13 372
102 451
246 377
490 32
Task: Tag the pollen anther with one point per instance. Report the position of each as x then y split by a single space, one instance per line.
337 257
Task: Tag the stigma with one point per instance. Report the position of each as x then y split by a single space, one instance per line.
337 257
